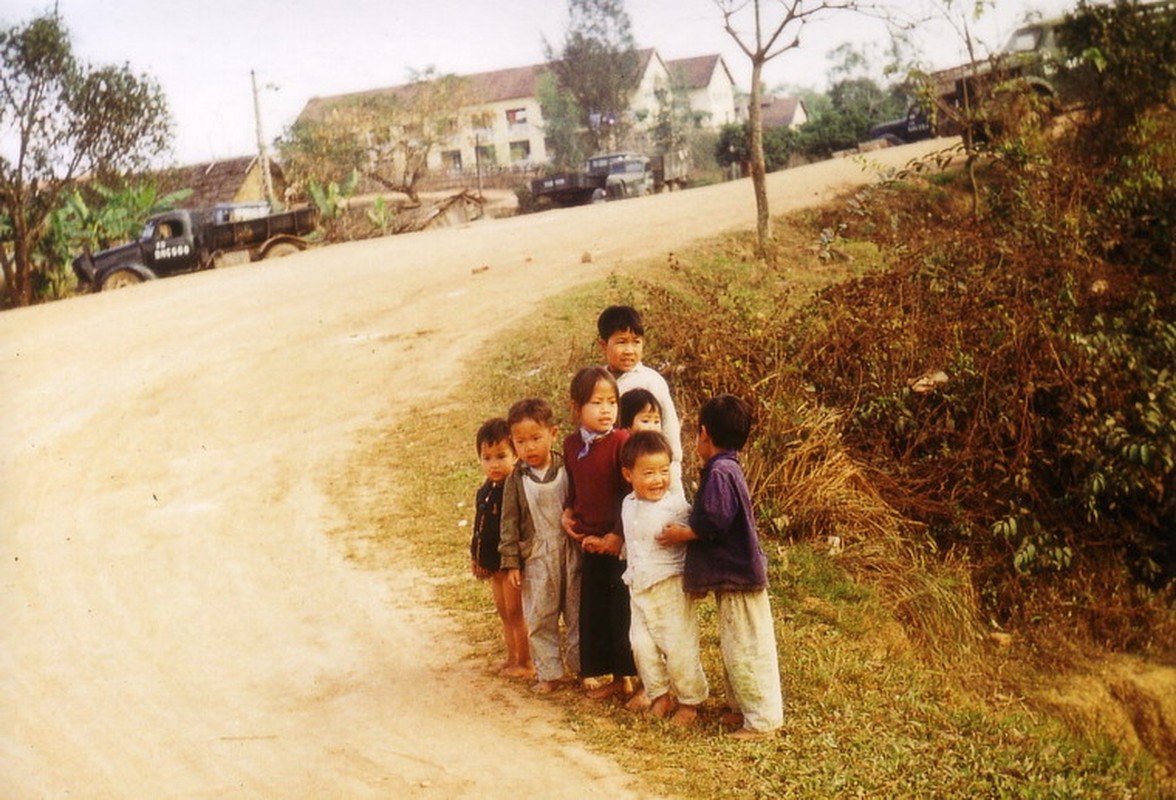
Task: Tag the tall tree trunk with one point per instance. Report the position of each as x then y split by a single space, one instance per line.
755 119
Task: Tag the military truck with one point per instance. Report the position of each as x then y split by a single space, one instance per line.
188 240
613 176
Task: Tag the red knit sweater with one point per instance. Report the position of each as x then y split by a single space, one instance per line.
595 484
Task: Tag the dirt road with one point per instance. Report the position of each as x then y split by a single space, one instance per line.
175 620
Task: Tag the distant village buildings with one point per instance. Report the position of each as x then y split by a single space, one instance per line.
505 127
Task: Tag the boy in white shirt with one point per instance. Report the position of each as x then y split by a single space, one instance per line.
622 341
663 627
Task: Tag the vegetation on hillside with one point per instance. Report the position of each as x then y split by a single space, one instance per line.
1007 381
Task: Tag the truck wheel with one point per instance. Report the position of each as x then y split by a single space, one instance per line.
120 278
282 249
599 195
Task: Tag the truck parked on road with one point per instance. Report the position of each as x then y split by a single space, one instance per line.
612 176
188 240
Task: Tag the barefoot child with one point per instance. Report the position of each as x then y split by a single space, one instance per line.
539 558
663 630
724 556
497 457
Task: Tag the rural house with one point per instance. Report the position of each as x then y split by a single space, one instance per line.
232 180
783 112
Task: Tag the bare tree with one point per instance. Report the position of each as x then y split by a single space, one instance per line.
765 29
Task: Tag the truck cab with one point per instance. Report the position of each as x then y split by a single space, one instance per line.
625 174
170 243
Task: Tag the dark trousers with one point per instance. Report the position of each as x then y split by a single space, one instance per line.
604 618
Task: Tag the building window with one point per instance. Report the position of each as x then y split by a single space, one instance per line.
482 122
451 160
516 116
487 154
520 151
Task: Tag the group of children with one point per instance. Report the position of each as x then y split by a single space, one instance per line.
600 535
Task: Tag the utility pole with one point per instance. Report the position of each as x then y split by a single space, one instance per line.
266 178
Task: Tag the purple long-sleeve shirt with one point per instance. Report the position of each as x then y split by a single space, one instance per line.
727 556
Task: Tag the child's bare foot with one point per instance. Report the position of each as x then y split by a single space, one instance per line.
543 687
638 702
516 671
732 719
662 706
606 691
684 717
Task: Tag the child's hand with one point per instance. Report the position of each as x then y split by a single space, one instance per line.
590 544
610 544
515 578
674 533
568 522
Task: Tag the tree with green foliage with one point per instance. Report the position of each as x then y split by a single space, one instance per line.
561 124
674 121
764 31
734 146
852 107
385 136
60 120
597 70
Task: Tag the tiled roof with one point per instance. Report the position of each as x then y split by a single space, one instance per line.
212 182
507 84
695 72
779 111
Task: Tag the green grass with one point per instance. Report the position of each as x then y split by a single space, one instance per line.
869 713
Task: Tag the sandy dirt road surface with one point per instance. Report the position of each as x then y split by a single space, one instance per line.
176 622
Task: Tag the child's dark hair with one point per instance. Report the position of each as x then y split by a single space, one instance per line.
617 319
492 432
584 384
644 443
633 402
727 420
533 408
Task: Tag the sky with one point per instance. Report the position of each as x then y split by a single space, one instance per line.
202 53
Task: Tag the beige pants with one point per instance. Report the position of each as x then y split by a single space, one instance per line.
747 640
663 631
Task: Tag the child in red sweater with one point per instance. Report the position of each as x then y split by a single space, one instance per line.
592 518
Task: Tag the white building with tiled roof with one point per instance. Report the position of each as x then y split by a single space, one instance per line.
711 87
505 128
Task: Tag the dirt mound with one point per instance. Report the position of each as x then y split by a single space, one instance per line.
1130 701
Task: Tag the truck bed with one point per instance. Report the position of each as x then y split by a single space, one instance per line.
255 231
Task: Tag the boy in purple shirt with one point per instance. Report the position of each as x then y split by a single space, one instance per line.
723 555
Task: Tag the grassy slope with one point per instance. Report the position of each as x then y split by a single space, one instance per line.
867 713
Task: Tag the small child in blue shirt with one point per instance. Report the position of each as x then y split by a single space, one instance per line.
724 556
